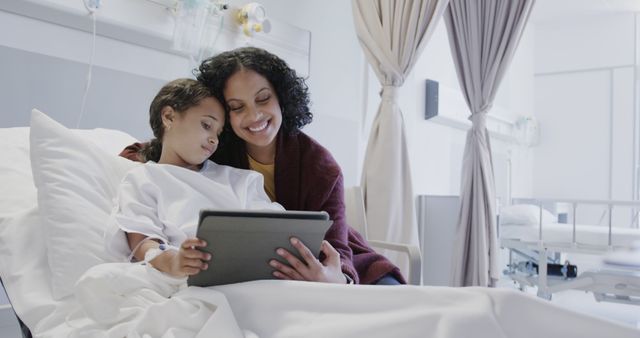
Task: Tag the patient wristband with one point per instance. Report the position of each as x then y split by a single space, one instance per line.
152 253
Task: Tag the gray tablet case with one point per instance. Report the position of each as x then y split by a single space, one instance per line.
242 243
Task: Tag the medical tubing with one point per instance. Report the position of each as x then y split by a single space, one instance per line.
89 73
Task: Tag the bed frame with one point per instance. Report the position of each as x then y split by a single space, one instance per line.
606 284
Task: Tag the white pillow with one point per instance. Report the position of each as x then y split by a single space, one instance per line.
110 140
525 214
77 182
18 192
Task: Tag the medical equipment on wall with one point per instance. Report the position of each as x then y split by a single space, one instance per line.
91 5
197 27
527 131
253 19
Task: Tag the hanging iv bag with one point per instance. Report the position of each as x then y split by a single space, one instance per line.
191 18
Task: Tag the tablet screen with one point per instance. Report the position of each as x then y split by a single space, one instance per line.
242 243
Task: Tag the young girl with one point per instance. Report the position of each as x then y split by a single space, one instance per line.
158 205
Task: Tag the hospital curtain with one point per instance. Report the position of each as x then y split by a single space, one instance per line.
392 34
483 36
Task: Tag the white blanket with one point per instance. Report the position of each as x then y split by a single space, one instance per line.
132 300
135 300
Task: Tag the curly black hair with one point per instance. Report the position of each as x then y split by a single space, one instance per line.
291 90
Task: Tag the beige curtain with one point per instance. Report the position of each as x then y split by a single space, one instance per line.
392 34
483 36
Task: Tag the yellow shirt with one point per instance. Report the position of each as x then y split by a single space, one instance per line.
267 171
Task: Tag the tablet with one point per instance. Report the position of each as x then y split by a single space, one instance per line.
242 243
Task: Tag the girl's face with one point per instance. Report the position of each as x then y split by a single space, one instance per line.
192 136
255 114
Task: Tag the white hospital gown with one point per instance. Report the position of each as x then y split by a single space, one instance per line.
164 201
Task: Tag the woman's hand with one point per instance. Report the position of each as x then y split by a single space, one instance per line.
184 262
311 269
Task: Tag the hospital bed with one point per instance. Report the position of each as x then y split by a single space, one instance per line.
538 238
113 300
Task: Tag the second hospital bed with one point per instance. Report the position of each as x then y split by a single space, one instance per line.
538 239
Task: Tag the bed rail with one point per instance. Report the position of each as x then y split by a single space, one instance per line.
542 202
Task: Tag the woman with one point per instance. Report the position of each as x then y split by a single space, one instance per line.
267 104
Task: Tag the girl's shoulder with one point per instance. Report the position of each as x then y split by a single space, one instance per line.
209 168
136 170
137 178
212 169
153 171
140 172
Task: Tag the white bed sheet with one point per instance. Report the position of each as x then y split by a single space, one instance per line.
309 310
25 276
563 233
25 272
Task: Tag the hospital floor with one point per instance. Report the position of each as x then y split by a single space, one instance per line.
584 302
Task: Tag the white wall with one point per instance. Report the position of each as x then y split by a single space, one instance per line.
584 97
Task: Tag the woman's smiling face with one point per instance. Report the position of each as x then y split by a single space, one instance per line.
254 110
